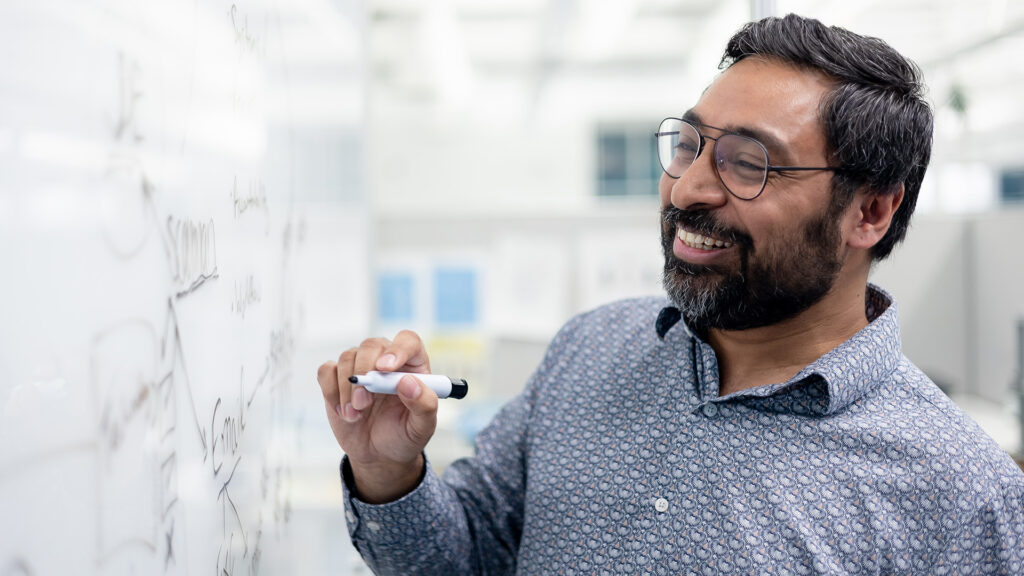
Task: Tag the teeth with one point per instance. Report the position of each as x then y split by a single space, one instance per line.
700 242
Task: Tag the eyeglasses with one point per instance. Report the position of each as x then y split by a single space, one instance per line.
740 161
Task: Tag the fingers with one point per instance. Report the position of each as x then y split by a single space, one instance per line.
406 353
367 355
353 399
327 377
343 370
361 398
421 402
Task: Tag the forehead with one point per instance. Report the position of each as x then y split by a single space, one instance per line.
770 97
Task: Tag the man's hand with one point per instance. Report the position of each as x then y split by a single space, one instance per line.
383 435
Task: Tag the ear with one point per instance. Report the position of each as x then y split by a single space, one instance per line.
871 216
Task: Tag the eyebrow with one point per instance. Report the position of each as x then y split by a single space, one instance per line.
775 147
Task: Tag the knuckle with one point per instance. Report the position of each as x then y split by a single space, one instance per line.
422 431
343 387
348 355
324 371
430 405
409 334
426 404
375 342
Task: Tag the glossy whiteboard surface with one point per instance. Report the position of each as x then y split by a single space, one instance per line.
155 241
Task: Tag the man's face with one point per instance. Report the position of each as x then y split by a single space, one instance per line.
770 258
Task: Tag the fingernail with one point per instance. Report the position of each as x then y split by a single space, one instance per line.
386 362
409 388
351 414
360 396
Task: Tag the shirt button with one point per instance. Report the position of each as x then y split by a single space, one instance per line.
373 526
350 517
661 505
710 410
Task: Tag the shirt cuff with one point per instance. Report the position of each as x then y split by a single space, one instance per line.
388 521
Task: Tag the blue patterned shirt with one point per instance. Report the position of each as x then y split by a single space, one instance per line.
620 458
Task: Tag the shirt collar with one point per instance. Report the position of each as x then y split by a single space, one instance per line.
830 383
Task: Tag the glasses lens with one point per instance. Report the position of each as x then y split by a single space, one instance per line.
742 164
678 145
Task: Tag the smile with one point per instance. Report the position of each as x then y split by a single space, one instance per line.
694 240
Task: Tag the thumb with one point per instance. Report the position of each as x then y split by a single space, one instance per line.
421 402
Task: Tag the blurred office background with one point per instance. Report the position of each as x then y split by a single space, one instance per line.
482 170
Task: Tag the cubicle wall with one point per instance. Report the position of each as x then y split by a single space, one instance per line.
929 275
958 280
998 266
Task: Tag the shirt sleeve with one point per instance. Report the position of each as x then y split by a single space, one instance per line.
992 542
470 522
420 533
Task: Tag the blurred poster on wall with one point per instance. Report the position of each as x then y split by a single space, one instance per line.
618 265
531 280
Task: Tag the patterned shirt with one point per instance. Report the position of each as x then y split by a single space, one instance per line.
620 458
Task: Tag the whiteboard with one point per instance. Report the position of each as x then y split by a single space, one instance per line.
156 174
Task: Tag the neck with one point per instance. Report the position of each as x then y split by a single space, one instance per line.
770 354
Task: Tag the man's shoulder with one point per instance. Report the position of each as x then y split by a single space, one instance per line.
626 315
952 442
629 321
640 309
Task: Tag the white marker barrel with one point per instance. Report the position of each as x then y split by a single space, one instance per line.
387 383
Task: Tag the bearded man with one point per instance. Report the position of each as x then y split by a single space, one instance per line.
763 420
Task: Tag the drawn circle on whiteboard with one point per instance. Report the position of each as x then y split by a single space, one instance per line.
128 215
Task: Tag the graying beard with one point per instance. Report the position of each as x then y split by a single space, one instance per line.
700 305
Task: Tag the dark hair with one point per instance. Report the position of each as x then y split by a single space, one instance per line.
877 124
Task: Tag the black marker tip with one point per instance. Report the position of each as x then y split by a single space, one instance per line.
353 379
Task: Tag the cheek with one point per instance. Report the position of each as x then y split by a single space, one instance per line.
770 232
789 232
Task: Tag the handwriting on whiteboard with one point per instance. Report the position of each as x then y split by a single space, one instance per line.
193 253
253 195
129 95
246 40
247 293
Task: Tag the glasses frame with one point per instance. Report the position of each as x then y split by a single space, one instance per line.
769 167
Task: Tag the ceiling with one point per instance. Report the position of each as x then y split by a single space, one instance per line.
545 59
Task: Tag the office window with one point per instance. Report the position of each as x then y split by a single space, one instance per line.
627 164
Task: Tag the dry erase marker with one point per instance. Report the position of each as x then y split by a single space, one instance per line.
387 383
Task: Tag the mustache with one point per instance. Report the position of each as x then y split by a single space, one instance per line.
704 223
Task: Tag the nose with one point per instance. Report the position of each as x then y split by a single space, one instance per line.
700 186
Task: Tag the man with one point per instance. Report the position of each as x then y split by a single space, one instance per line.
778 430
